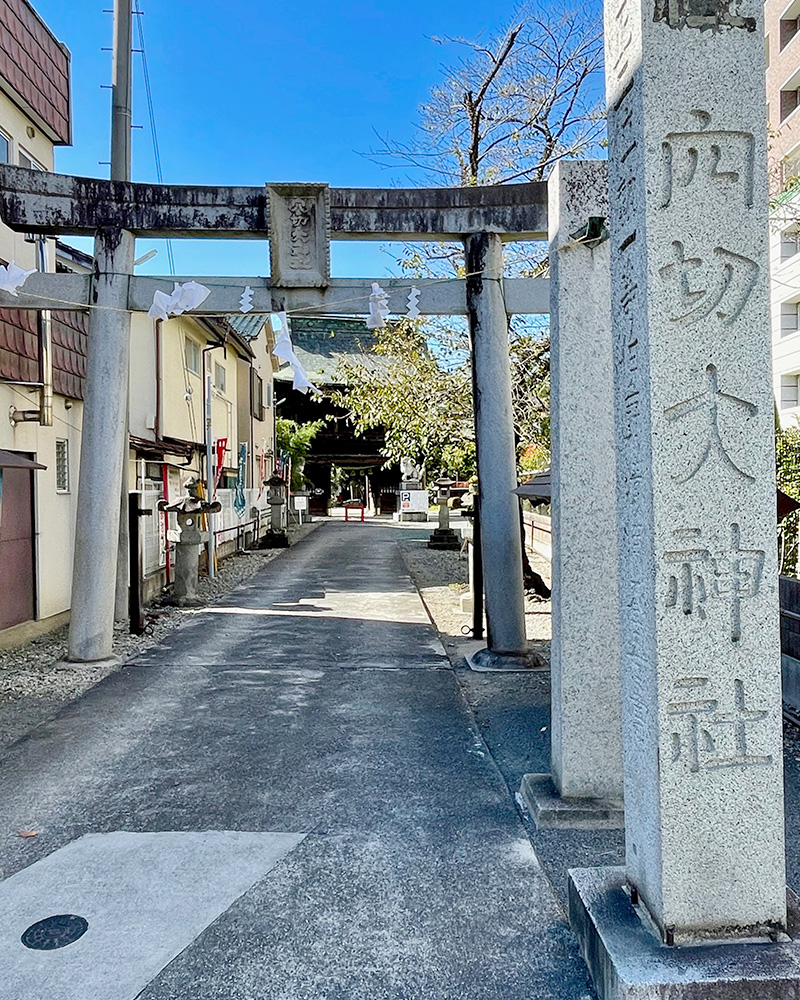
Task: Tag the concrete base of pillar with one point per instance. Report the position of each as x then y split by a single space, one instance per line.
628 961
274 540
183 602
444 538
550 811
107 663
486 661
413 515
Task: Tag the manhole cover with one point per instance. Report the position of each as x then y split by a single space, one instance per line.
54 932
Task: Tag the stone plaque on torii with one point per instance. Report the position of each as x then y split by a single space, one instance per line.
299 220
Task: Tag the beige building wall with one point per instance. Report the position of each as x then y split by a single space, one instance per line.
183 342
54 511
143 397
16 127
183 348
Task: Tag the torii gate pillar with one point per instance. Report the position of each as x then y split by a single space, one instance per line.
497 466
105 427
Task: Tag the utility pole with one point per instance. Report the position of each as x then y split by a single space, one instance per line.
121 117
121 92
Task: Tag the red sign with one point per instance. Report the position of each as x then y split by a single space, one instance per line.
222 447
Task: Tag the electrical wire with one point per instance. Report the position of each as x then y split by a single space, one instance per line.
152 114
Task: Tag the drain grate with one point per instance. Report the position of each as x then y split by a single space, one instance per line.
54 932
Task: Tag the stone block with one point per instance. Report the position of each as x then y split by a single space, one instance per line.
628 960
550 811
299 235
445 538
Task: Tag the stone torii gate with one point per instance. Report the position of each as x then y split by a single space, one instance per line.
299 220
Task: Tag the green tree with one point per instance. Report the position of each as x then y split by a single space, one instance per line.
424 408
787 455
294 439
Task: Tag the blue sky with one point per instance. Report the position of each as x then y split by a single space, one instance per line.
248 91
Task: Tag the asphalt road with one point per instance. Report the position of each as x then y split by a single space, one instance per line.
287 798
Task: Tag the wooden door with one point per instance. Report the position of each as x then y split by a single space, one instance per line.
17 589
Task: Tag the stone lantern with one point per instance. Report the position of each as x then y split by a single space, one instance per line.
189 509
444 537
277 492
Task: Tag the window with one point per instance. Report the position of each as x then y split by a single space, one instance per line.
789 318
5 148
256 395
26 160
62 466
789 396
193 360
790 242
789 27
219 377
790 166
788 103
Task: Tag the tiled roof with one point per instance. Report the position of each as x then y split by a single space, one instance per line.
35 69
248 326
19 345
70 338
19 349
323 344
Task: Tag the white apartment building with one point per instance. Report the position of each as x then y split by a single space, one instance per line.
782 44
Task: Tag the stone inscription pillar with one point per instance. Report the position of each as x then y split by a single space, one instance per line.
694 419
586 726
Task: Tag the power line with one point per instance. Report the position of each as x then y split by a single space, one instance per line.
152 114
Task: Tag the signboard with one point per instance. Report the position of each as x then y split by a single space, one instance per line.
414 501
300 503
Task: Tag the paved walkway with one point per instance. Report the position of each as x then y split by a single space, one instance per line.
287 799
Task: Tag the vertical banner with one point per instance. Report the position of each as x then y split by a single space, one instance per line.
221 448
239 502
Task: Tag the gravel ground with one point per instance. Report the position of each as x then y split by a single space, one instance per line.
442 578
33 688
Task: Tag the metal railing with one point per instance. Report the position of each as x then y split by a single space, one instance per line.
252 527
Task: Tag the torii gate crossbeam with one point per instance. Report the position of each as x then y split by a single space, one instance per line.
299 220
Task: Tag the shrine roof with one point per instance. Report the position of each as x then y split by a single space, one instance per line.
322 344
